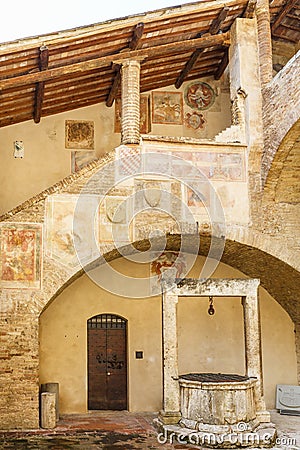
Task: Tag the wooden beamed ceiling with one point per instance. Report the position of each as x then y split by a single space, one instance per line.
213 29
55 73
286 23
133 45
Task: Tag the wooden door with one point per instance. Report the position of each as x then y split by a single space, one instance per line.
107 364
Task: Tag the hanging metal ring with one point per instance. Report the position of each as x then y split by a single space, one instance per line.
211 309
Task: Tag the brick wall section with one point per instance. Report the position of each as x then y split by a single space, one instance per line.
281 109
19 368
130 102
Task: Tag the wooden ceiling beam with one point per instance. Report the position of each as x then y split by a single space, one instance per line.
290 27
137 36
94 64
188 67
133 45
114 88
217 22
282 36
161 68
283 12
250 9
40 88
293 16
222 65
213 29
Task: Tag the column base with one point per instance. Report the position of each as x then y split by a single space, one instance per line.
263 416
169 417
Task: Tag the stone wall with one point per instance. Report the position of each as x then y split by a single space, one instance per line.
281 109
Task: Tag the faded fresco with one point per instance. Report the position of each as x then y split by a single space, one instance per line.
182 165
157 161
156 197
166 260
199 196
221 166
80 158
72 228
130 161
151 194
79 134
194 120
167 107
20 259
145 123
218 166
199 95
114 219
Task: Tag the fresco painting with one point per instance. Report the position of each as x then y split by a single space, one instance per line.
66 219
173 262
80 158
199 95
198 195
114 217
79 134
21 255
167 107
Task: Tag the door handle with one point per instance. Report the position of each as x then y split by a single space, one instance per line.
108 373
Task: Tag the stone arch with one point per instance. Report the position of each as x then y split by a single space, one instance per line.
281 185
281 110
280 279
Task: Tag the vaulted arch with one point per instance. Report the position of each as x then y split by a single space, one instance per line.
280 279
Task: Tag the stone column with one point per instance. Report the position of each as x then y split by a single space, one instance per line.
253 351
53 388
48 413
130 129
245 83
264 41
245 78
171 393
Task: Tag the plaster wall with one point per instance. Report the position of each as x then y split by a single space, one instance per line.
46 160
217 341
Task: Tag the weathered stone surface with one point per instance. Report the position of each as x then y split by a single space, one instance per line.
48 414
53 388
217 403
281 109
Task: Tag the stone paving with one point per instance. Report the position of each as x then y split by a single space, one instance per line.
97 430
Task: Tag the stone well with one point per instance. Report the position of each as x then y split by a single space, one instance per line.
217 402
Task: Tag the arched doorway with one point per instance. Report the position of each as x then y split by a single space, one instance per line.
107 362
